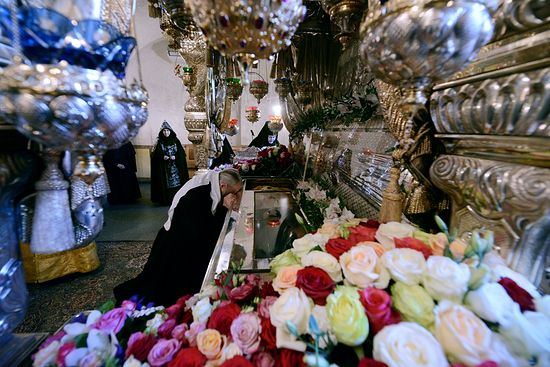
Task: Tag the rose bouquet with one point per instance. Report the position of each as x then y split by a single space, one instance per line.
391 295
270 161
354 293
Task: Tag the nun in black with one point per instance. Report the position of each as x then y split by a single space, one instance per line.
262 140
225 157
168 166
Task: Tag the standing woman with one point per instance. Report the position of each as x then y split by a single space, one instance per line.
168 166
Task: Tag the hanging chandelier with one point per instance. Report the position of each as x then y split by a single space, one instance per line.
250 29
234 89
252 114
259 89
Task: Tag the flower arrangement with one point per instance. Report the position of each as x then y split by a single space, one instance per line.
270 161
355 293
233 122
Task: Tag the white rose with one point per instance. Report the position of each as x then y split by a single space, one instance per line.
542 305
47 356
325 261
333 210
332 230
528 334
320 315
464 336
492 303
388 231
76 328
501 271
363 268
133 362
408 344
302 246
98 341
202 310
294 306
75 356
93 317
445 279
405 265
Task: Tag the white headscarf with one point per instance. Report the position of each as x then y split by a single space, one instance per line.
211 177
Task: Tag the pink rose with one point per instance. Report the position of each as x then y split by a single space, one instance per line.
263 308
163 352
62 353
245 330
179 332
263 359
53 338
128 305
194 330
165 329
111 321
139 345
175 311
242 293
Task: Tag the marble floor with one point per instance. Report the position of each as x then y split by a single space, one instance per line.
139 221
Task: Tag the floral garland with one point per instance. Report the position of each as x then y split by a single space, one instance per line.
355 293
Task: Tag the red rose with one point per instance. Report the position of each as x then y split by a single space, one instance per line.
165 329
413 243
175 311
268 334
63 351
263 359
370 223
139 345
188 357
266 289
290 358
518 294
223 316
237 361
377 304
367 362
337 246
243 292
316 283
361 234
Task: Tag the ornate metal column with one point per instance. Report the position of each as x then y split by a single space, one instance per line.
193 50
494 120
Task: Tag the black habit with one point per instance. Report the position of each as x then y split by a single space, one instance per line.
167 175
225 157
120 165
262 140
180 256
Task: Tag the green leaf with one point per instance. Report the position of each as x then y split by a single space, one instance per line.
81 340
107 306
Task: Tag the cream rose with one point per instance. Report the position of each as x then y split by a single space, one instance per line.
408 344
378 248
388 231
405 265
210 343
202 310
294 306
286 278
325 261
528 334
301 246
542 305
465 337
445 279
492 303
363 268
332 230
